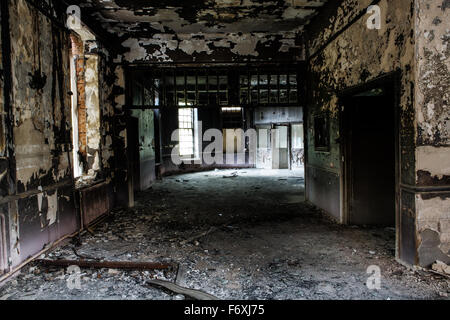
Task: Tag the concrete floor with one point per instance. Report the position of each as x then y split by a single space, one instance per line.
269 245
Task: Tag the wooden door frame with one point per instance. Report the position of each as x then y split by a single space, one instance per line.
392 83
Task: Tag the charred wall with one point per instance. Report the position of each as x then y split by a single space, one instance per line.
433 131
42 208
344 53
38 197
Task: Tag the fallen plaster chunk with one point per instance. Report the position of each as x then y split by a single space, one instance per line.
441 267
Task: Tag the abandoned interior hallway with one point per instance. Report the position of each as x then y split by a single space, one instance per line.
266 243
250 149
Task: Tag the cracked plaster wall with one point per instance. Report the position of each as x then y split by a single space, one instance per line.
357 56
42 209
413 39
433 129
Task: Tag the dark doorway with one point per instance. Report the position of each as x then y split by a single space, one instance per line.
370 156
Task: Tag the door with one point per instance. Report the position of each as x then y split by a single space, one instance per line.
370 158
280 147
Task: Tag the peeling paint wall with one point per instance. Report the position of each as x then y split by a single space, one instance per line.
345 53
92 112
433 130
38 198
40 116
354 57
42 209
414 40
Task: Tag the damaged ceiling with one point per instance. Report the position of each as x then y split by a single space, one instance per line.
143 18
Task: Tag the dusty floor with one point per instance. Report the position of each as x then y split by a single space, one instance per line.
268 245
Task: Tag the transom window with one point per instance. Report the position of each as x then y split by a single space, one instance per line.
213 87
268 89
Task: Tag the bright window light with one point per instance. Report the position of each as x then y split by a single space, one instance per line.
186 131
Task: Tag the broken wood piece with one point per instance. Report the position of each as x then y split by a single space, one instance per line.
201 235
106 264
191 293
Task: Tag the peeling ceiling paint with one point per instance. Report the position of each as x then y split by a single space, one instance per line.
143 18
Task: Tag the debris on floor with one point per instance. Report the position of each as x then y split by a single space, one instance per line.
232 175
441 267
229 244
194 294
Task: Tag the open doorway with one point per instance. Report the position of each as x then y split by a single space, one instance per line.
280 147
369 148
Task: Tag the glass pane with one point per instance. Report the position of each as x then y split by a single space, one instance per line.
293 80
202 83
212 81
264 96
254 81
191 83
137 94
263 80
254 97
180 82
283 80
148 97
284 96
244 97
297 136
273 96
274 81
244 81
157 86
293 97
186 132
181 101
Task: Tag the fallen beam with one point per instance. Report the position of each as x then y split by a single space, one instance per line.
191 293
106 264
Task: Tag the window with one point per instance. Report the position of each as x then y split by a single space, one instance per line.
297 136
186 120
77 169
181 87
85 105
267 88
322 133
